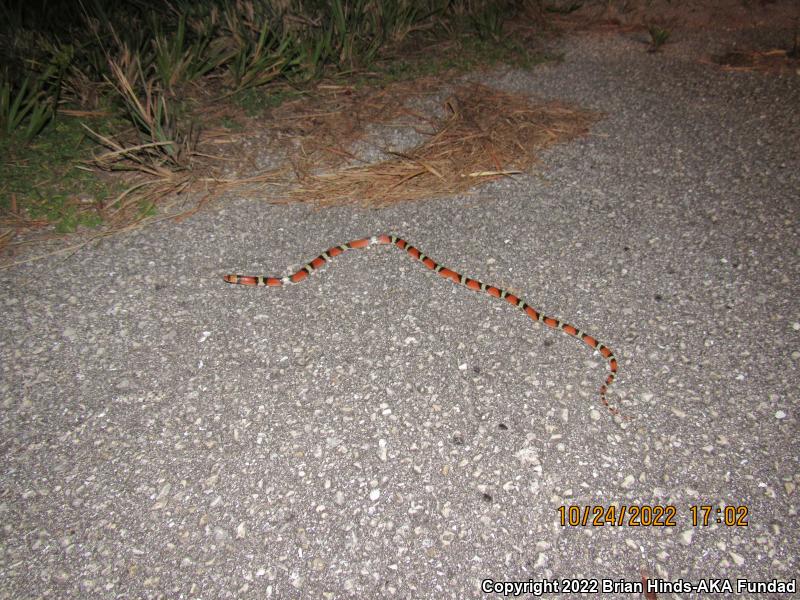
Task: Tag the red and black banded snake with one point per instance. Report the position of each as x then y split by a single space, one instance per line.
469 283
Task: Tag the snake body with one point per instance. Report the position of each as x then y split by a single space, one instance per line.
455 277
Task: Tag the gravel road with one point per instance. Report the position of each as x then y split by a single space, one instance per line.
380 432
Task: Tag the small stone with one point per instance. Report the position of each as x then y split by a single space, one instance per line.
737 558
686 537
528 456
382 451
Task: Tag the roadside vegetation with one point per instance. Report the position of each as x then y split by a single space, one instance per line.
105 105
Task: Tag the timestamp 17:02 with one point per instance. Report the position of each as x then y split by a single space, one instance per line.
704 515
647 515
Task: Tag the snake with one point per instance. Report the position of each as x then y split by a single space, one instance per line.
468 282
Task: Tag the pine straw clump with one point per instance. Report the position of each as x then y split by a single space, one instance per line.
485 134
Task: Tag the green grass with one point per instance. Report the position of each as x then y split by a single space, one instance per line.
256 101
658 37
488 21
26 108
459 52
563 9
231 124
46 178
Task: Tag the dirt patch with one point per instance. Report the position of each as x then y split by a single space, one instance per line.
770 61
629 15
777 21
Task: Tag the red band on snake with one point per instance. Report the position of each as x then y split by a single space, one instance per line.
472 284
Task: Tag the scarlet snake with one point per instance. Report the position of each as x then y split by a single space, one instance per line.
472 284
